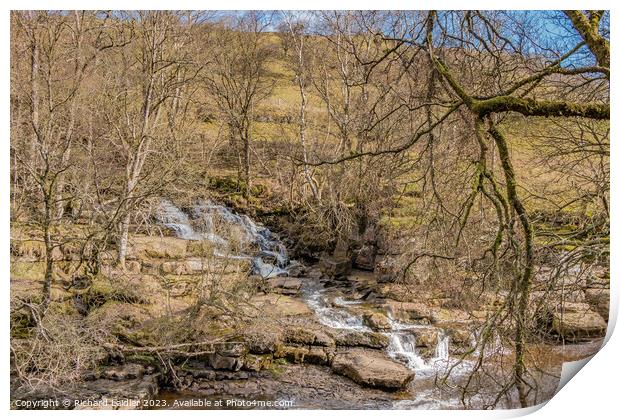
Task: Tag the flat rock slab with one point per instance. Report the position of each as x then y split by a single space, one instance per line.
372 369
276 305
578 322
285 285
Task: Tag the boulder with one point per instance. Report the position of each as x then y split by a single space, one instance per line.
233 349
577 322
304 336
599 300
291 353
335 267
371 340
372 369
263 342
318 356
228 356
427 338
386 268
218 361
420 312
123 372
365 257
409 311
285 285
377 321
460 341
299 335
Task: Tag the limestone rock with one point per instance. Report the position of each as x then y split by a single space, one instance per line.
256 363
371 340
174 267
599 300
365 257
133 266
263 342
377 321
276 305
372 369
578 322
285 285
318 356
291 353
335 267
460 341
427 338
123 372
217 361
141 247
299 335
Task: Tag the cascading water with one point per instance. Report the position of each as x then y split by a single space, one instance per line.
269 259
268 256
402 345
442 351
330 316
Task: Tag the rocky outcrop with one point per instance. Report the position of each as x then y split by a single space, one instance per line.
335 267
377 321
425 313
364 258
372 369
285 285
370 340
426 341
339 263
460 341
121 387
599 299
143 247
577 322
299 335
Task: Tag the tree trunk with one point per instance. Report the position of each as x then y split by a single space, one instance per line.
48 277
123 229
246 168
524 280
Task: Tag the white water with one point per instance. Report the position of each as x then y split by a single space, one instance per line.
205 221
402 347
402 344
330 316
269 258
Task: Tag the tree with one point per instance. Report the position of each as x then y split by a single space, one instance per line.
237 80
62 50
153 69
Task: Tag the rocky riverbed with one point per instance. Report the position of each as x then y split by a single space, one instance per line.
337 333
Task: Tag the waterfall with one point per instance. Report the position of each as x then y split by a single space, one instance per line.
330 316
402 344
443 347
402 347
247 239
172 217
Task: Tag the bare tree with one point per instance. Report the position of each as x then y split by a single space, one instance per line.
237 78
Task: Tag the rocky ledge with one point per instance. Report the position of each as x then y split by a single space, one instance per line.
122 387
372 369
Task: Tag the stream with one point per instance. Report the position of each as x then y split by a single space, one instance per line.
238 236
